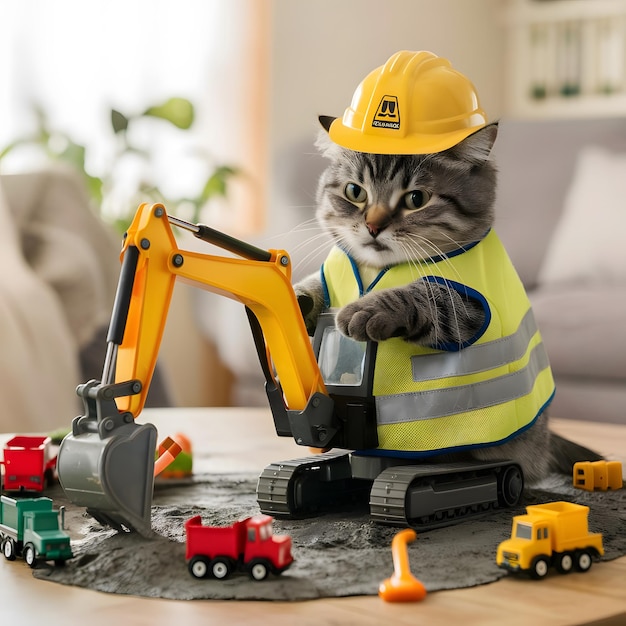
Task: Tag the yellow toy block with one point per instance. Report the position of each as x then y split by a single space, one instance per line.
597 475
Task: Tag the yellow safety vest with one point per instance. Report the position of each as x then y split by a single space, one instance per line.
450 397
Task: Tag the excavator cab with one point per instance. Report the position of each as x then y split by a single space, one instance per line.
347 368
344 415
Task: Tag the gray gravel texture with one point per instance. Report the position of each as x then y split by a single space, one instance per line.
336 554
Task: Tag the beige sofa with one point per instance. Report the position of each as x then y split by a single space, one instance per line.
59 273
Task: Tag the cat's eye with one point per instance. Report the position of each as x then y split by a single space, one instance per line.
415 199
355 193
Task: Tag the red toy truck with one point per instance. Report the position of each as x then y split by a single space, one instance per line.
248 545
28 463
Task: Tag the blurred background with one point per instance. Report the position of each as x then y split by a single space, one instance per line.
212 105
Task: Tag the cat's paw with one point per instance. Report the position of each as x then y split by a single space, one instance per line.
366 319
309 308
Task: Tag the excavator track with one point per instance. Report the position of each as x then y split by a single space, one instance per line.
430 496
422 496
300 486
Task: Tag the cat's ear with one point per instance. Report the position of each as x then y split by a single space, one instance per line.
326 121
323 143
477 147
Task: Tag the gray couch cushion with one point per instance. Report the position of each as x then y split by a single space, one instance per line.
584 329
536 161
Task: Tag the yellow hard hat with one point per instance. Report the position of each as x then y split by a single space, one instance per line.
414 104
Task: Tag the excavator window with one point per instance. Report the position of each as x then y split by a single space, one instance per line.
341 359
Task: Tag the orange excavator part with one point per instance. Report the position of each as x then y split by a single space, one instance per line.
402 586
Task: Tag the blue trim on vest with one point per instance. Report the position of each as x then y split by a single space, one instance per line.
377 279
357 277
468 292
461 250
355 273
405 454
434 259
325 288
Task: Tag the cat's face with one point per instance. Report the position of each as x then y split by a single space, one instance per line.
389 209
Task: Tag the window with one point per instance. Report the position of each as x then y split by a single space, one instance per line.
80 59
524 531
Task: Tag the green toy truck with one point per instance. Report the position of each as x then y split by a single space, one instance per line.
30 527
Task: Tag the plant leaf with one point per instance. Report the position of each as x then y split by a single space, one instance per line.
178 111
119 121
15 144
217 183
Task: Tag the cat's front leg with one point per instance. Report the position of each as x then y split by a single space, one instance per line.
310 295
422 312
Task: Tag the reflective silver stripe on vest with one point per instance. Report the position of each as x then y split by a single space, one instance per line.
476 358
421 405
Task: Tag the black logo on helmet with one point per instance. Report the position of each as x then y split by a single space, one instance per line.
388 113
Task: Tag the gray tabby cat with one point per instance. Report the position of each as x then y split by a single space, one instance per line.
389 209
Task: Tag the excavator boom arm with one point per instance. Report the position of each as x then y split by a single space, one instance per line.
152 262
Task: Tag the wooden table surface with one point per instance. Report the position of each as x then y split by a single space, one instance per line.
235 439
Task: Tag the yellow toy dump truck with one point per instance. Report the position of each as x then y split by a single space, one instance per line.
550 534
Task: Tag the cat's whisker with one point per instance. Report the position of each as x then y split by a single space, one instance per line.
454 297
414 251
306 226
444 257
306 260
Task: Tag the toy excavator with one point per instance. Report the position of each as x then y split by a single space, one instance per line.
106 463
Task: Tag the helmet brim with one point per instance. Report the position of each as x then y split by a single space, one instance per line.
359 141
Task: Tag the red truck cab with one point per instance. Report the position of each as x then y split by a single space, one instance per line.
28 463
248 545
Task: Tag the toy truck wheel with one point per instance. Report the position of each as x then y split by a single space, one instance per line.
258 570
221 568
8 549
199 567
583 561
539 567
30 555
511 486
564 563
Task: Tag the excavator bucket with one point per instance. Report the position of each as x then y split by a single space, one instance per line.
106 463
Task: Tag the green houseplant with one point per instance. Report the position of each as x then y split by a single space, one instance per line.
176 112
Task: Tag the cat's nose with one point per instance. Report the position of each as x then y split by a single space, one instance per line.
373 229
377 219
